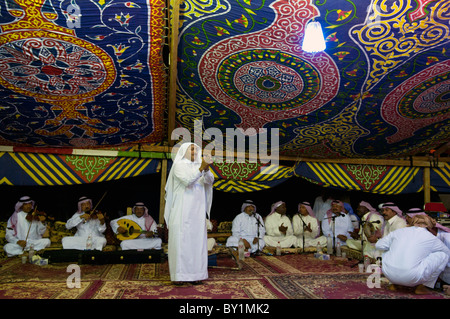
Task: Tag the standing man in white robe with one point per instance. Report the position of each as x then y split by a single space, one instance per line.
413 256
249 226
20 234
279 227
86 226
188 204
337 223
322 204
307 228
141 217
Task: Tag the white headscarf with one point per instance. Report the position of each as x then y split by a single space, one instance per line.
170 185
308 208
82 200
17 209
148 219
394 208
413 212
246 204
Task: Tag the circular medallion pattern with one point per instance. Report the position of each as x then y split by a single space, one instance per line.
269 80
430 98
50 67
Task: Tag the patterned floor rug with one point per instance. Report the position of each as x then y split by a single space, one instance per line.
262 277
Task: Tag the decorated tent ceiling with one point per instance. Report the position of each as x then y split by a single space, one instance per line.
89 73
81 73
380 89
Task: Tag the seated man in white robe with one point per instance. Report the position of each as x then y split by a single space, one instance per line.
25 230
89 225
337 223
413 256
370 231
147 239
393 217
249 226
307 228
279 227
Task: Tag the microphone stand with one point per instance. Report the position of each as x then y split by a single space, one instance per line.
258 223
362 239
362 243
303 233
333 218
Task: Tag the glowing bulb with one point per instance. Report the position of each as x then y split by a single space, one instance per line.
313 41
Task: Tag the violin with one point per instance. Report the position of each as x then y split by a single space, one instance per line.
94 214
36 215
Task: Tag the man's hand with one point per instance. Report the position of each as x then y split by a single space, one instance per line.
101 218
354 234
246 244
121 230
206 161
282 229
22 243
308 228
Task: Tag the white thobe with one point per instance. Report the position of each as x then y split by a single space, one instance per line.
312 239
445 238
186 222
413 256
321 207
141 242
246 227
34 239
274 236
211 241
393 224
369 248
91 227
343 225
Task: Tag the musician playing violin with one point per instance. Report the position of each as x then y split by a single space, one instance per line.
26 228
89 223
86 207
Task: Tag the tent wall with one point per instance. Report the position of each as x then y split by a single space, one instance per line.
38 169
50 169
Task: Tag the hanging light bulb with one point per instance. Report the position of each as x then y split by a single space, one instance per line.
313 40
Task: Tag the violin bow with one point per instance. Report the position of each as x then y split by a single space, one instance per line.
93 210
31 222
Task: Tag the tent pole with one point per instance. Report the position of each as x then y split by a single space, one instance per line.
426 185
162 192
174 25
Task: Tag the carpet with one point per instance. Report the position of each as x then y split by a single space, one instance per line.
341 286
262 277
130 281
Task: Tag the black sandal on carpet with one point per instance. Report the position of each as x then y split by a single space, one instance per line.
179 283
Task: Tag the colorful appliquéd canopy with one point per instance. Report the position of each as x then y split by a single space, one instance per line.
379 90
81 73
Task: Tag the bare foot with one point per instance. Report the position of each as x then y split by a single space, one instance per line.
446 289
422 290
